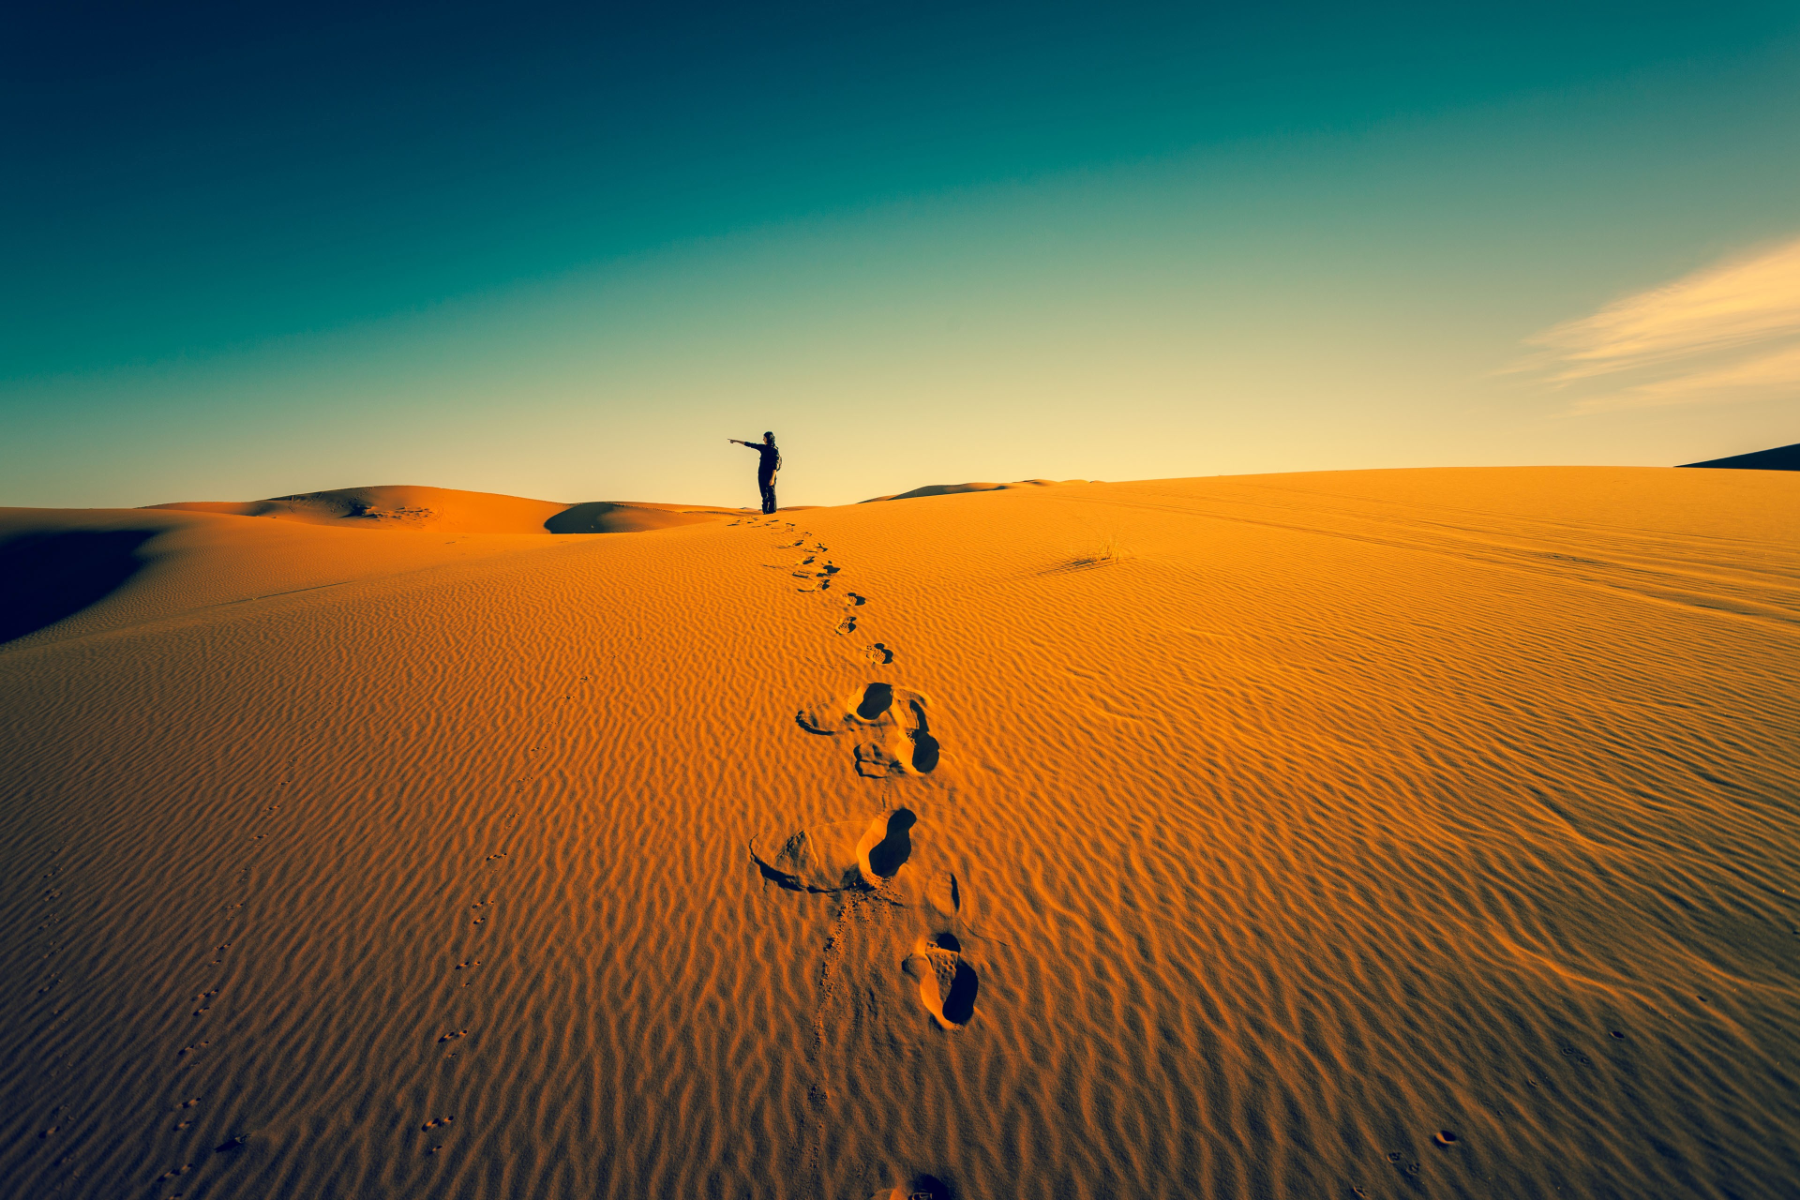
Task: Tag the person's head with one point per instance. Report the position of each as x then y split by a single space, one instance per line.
769 438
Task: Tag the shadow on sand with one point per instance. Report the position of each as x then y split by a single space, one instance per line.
47 576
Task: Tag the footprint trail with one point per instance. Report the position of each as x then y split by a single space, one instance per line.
869 868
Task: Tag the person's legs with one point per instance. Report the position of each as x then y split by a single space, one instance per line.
768 494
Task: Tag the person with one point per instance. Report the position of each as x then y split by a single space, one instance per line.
765 470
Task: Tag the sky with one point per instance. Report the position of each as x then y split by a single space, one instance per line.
566 252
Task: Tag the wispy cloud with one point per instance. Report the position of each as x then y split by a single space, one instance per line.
1729 332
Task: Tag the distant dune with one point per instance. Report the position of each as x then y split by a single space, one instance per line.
1383 834
955 489
1781 458
445 510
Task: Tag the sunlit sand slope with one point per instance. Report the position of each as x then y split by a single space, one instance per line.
1385 834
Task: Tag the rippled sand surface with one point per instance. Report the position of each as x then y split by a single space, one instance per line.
1388 834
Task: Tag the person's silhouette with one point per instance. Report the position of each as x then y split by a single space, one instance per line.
765 469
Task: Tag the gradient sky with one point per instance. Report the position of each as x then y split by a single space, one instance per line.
565 252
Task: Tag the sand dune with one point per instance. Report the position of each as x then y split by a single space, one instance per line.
1781 458
958 489
1358 834
446 510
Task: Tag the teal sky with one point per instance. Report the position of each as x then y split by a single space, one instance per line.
567 253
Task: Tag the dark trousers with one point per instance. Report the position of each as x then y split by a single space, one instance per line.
767 483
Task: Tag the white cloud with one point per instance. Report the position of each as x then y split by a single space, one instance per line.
1765 377
1729 332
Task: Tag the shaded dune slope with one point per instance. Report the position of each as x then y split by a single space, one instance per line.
1377 833
47 575
1781 458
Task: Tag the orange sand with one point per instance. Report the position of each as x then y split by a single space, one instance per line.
1380 833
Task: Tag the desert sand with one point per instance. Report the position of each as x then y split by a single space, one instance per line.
1386 834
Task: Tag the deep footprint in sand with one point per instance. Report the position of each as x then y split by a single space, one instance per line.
886 845
888 724
838 856
901 741
947 983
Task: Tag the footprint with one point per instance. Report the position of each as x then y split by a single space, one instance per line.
838 856
817 575
947 984
901 743
892 733
885 846
852 602
876 699
879 654
820 859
